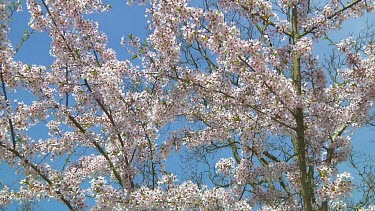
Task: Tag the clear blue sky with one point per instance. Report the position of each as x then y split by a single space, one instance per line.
120 21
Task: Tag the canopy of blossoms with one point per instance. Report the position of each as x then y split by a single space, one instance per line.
263 95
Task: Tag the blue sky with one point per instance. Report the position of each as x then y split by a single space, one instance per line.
120 21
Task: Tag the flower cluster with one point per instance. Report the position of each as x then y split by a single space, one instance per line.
225 166
340 188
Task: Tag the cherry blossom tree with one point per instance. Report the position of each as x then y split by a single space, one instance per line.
239 76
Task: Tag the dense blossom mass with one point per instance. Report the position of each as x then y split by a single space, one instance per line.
238 76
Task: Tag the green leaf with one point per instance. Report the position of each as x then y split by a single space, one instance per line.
26 33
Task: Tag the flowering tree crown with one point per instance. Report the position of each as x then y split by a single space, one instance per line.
237 75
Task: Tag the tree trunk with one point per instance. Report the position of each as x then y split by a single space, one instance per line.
299 138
